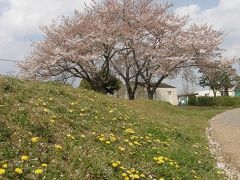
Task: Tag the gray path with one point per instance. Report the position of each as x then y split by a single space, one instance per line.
226 130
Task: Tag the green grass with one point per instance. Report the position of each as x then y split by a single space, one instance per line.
82 135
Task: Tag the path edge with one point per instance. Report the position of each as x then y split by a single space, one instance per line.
216 151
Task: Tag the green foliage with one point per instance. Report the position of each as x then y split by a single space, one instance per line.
220 79
5 132
205 101
218 101
192 100
85 85
69 124
102 82
214 81
9 85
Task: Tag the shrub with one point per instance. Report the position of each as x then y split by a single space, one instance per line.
205 101
192 100
218 101
103 83
224 101
85 85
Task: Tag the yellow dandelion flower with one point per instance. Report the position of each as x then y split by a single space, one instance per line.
19 170
131 176
70 110
2 171
133 170
114 165
82 110
50 99
130 130
101 139
5 165
38 171
108 142
135 176
137 143
126 178
124 174
44 165
24 158
142 175
219 172
58 146
35 139
46 110
72 104
113 139
121 167
121 148
83 136
161 178
111 111
130 144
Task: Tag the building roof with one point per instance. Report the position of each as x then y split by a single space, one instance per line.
162 85
187 95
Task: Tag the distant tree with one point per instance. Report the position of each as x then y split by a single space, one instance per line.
228 79
212 81
220 78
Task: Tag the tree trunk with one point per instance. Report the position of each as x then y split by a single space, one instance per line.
131 96
150 95
131 93
226 92
150 92
215 93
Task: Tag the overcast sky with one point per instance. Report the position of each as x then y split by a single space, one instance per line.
20 21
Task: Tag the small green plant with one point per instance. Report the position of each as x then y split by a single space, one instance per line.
10 85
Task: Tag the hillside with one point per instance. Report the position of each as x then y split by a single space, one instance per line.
52 131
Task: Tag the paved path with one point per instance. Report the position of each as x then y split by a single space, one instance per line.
226 131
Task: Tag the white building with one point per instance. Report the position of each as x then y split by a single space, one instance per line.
164 92
210 93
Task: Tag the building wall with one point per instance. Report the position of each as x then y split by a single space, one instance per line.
162 94
168 95
210 93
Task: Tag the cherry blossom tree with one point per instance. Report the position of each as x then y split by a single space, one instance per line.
78 46
137 40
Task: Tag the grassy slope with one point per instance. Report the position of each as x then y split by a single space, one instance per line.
77 121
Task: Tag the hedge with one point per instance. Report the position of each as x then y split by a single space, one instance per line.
215 101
